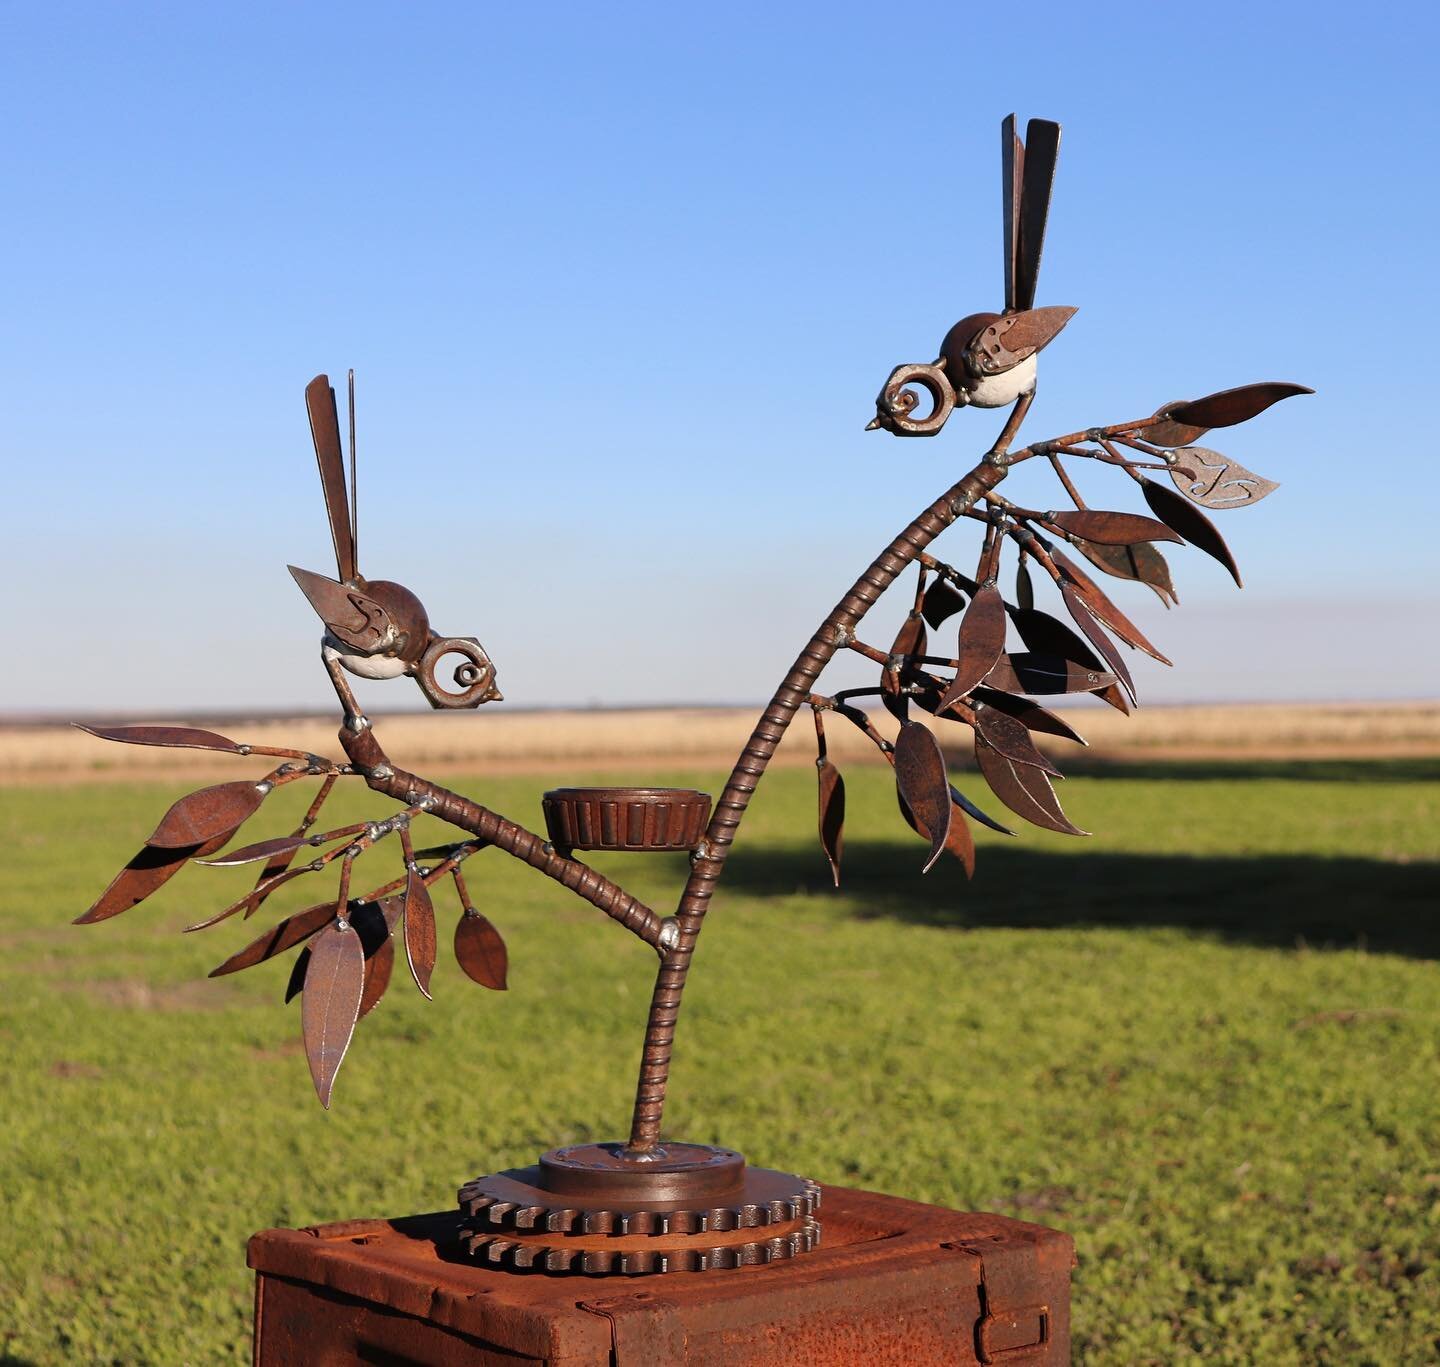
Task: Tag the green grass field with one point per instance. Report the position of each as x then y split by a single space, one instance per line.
1206 1042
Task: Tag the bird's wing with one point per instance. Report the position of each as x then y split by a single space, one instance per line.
349 615
325 429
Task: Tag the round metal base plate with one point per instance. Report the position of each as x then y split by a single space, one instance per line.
596 1209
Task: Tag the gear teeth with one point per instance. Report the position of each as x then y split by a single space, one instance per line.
500 1252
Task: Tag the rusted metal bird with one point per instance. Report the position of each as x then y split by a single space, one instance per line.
374 628
989 359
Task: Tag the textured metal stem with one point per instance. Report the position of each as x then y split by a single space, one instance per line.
365 752
709 860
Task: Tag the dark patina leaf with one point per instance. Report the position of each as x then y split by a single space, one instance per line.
1010 737
280 937
982 642
1031 714
1231 406
1142 562
1191 523
832 815
1024 789
1027 671
941 602
1103 608
1112 529
923 785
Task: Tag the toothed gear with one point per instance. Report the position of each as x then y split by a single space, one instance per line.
539 1255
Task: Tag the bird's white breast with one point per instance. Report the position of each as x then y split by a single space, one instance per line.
996 391
364 666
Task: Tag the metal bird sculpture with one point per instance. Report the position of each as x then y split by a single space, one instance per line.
988 360
376 629
667 1197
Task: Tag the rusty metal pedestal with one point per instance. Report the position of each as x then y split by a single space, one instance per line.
894 1282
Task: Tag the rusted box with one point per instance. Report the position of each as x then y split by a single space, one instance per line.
893 1282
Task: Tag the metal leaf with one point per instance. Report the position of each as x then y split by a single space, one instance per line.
1027 671
334 985
1029 714
252 899
982 642
1085 620
910 641
1010 736
203 815
1112 529
295 985
177 737
941 601
923 785
376 924
419 931
1115 696
970 809
280 937
1191 523
832 815
1142 562
1024 789
147 872
1163 430
1047 635
959 842
480 950
1103 608
263 849
1231 406
1024 589
1216 481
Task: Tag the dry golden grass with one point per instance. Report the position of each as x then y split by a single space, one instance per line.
553 742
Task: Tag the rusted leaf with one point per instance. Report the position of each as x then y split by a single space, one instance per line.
832 815
1085 620
1030 714
982 642
1103 608
480 950
1024 589
1024 789
910 641
923 785
1010 737
1216 481
264 849
147 872
252 898
280 937
1027 671
1191 523
419 931
376 925
178 737
203 815
941 601
959 842
1231 406
1165 431
1112 529
330 1006
1141 562
1115 696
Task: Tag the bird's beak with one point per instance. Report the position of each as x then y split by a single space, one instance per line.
875 424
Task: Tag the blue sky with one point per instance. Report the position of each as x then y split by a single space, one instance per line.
620 284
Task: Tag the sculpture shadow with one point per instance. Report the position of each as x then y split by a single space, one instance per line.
1279 900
